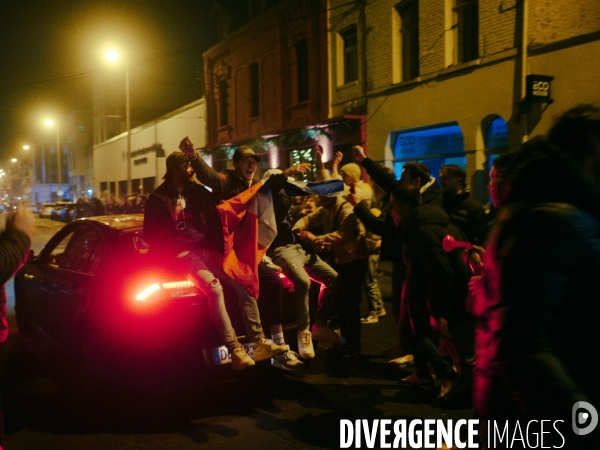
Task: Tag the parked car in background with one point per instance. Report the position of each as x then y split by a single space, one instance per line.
63 211
46 210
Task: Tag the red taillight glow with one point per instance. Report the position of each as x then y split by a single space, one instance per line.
174 288
282 276
178 285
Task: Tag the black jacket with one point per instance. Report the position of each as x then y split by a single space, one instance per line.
434 277
224 185
467 214
198 226
537 351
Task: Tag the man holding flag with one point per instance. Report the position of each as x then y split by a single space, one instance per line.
181 223
247 206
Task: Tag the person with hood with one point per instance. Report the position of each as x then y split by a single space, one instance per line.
536 353
435 288
417 175
182 226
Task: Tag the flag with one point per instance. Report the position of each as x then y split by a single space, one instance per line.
327 188
249 227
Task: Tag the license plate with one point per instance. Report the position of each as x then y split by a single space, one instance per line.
222 355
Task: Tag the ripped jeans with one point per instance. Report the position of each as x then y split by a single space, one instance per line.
210 278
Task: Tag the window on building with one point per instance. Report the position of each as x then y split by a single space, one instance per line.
223 103
467 29
350 55
254 91
408 11
434 146
301 70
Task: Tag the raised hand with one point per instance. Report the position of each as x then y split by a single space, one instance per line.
359 153
22 219
187 147
337 158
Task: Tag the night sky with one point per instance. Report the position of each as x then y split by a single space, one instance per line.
51 50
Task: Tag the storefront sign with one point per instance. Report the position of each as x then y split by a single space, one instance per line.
538 88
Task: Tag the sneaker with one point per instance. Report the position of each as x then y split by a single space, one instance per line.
287 361
382 312
305 345
240 360
394 352
369 319
403 362
325 334
265 349
415 380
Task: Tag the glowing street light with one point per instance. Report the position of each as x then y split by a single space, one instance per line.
112 55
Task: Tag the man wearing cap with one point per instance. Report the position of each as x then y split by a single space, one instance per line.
228 184
181 222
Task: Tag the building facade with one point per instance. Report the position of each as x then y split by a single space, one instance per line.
151 143
267 86
449 82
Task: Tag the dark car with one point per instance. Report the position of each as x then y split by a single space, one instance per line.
96 291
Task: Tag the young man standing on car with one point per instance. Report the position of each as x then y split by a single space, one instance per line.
181 223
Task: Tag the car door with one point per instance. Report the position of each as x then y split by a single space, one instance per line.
65 278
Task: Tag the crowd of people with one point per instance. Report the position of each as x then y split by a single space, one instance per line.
513 317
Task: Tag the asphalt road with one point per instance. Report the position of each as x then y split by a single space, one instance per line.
48 404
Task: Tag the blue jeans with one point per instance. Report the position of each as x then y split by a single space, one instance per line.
209 278
301 267
371 286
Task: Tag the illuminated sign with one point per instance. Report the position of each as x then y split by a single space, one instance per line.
538 88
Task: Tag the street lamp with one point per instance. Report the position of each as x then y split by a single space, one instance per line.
50 123
113 55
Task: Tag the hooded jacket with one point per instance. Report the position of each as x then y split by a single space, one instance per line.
341 229
197 226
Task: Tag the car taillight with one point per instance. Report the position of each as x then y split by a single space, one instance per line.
172 289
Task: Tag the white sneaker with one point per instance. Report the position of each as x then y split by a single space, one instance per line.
287 361
265 349
325 334
305 345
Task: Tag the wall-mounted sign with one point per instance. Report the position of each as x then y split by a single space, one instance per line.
538 88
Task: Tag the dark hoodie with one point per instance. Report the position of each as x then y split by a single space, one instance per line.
467 214
168 234
434 277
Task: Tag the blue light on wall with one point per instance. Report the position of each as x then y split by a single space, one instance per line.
432 140
497 134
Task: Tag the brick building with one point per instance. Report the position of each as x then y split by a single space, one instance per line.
267 86
445 81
